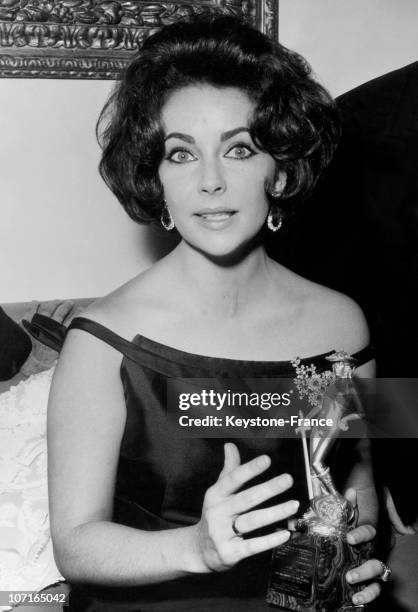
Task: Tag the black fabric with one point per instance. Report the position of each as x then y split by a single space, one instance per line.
359 235
15 346
162 477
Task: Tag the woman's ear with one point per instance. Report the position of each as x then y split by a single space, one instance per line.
279 183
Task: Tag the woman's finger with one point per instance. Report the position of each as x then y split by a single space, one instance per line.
245 523
62 310
363 533
232 459
254 546
235 478
368 594
245 500
351 496
366 571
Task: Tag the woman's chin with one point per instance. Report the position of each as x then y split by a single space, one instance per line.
225 252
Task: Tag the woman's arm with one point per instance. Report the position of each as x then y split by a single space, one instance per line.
351 333
362 492
361 477
86 419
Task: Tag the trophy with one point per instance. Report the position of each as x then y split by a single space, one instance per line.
308 572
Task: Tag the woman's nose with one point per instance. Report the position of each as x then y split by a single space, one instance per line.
212 180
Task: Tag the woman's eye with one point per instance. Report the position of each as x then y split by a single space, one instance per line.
240 151
180 156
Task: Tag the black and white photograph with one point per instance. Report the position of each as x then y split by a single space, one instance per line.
208 307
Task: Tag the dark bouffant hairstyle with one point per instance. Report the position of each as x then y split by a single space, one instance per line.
295 119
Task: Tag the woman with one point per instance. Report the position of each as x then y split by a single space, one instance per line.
211 130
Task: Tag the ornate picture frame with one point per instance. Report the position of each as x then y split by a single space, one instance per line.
94 39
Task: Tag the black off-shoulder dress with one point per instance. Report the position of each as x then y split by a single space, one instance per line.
162 478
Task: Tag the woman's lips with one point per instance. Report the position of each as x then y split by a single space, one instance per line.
216 219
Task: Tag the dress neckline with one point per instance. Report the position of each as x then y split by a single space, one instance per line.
161 348
143 344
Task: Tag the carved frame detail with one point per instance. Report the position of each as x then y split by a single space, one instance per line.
94 39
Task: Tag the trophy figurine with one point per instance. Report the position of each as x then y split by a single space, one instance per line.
308 572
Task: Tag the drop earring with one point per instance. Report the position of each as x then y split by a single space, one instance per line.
274 219
166 218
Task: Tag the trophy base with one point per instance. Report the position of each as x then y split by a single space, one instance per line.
308 574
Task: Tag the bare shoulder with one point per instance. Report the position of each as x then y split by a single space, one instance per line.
349 328
333 321
330 319
122 309
342 317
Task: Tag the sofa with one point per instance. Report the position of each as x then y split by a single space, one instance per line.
26 557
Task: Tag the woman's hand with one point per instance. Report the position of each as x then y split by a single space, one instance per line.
228 515
367 571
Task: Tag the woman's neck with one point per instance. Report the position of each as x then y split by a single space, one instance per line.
221 287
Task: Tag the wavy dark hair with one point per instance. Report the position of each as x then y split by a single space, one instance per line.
295 119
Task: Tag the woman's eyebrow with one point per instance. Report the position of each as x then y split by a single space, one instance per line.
230 133
224 136
181 136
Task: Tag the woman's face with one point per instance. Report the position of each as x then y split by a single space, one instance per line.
213 175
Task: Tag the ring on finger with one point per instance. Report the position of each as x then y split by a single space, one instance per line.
235 528
386 572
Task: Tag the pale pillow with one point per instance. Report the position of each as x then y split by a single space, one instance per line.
26 558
